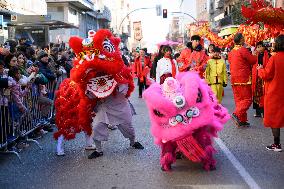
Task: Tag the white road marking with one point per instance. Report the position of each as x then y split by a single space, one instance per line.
242 171
211 186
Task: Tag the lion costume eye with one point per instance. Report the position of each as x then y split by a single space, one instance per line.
108 46
157 113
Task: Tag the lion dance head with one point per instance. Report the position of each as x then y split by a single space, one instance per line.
97 69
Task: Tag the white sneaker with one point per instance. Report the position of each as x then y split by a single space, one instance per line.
60 153
91 147
43 132
112 127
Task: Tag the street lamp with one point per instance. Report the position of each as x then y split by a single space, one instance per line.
119 28
185 14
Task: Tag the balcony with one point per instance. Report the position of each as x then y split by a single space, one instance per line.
105 15
84 5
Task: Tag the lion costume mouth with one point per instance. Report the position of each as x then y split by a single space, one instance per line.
101 86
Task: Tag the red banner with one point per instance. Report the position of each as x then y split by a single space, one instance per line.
137 28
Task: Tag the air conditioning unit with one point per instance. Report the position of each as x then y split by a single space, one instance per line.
101 8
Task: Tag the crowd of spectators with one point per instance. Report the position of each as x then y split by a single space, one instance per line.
25 68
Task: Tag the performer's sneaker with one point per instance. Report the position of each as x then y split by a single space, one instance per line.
91 147
112 127
257 115
60 153
236 119
244 124
274 147
95 154
137 145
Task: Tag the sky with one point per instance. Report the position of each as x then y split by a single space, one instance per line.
155 28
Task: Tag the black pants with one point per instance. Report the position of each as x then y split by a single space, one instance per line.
142 85
276 134
258 110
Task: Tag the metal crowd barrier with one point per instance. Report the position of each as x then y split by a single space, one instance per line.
11 129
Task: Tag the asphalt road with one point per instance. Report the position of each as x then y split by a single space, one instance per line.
242 161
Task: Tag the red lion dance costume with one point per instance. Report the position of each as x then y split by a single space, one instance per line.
98 70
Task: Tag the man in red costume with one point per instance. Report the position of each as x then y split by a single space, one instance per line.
198 57
241 62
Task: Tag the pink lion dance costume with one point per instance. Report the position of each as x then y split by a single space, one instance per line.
97 71
184 119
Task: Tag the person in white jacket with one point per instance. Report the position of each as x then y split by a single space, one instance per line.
166 66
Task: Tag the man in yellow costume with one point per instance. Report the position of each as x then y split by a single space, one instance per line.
216 75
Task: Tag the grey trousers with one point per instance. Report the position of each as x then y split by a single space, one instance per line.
101 131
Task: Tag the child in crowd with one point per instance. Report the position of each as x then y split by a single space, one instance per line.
257 82
216 75
17 94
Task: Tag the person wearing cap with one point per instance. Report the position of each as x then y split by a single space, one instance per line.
215 74
241 62
42 63
198 57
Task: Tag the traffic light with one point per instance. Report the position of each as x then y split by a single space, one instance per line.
165 13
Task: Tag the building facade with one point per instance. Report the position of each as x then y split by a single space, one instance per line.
185 21
121 22
216 13
11 10
81 14
202 10
175 32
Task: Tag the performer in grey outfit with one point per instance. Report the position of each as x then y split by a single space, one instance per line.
113 110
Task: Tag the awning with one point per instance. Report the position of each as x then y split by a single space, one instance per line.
227 31
53 24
